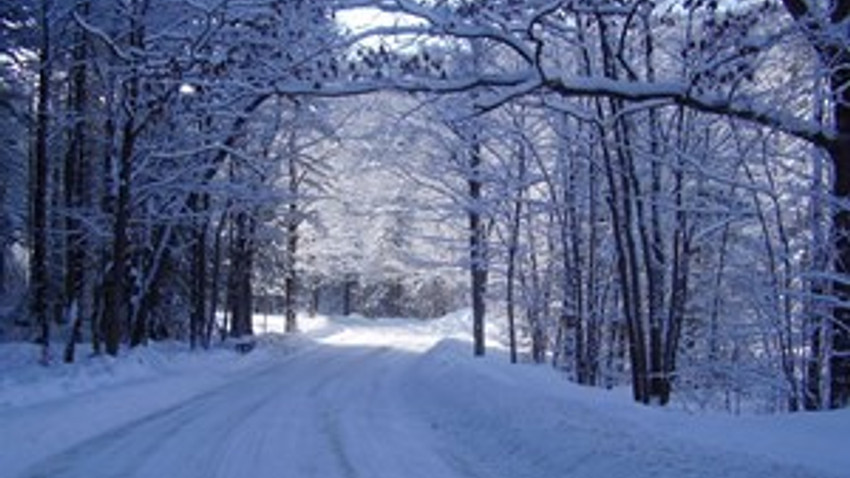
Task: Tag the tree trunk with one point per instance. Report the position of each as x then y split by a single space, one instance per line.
241 290
152 269
572 267
832 49
347 296
107 205
477 248
816 311
198 205
76 333
592 301
74 182
537 305
621 202
291 281
117 307
839 360
513 246
511 274
2 253
116 299
38 194
214 286
628 254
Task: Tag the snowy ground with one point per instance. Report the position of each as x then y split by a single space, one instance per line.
361 398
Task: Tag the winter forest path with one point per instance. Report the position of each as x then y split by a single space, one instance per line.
380 402
326 413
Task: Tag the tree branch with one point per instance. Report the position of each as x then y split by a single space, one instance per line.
681 94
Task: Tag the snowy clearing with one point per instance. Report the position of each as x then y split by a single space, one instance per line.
363 398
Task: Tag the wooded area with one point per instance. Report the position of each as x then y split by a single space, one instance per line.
652 193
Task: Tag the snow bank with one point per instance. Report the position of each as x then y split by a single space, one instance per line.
484 406
25 382
47 409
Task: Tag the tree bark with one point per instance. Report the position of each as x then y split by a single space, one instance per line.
76 174
2 254
116 298
293 221
513 247
592 301
839 360
117 304
477 248
241 290
39 192
214 286
832 50
198 205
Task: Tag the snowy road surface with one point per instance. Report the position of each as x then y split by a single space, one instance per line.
369 402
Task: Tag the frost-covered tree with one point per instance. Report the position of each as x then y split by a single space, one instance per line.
716 69
14 92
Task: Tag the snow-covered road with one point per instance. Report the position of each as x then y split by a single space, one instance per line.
375 401
328 412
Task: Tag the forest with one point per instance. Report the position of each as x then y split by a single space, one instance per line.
648 193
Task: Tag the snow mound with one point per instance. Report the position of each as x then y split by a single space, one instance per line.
26 382
48 409
484 406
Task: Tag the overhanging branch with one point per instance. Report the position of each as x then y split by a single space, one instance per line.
681 94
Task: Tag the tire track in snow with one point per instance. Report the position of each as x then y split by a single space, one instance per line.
382 437
330 412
